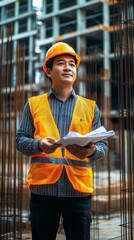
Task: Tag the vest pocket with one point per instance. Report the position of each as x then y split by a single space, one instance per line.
44 173
81 178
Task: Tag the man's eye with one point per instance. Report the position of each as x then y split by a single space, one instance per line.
72 64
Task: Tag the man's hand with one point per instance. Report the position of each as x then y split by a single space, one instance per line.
48 145
81 152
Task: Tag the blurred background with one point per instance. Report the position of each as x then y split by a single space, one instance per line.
102 32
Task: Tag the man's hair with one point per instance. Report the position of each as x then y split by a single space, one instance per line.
49 64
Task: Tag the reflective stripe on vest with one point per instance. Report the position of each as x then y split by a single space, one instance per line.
63 161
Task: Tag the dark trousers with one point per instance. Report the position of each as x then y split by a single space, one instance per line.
45 213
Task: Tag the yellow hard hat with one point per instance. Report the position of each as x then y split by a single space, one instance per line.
60 48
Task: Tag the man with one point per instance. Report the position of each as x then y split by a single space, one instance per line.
60 179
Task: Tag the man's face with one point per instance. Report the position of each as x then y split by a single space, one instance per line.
63 72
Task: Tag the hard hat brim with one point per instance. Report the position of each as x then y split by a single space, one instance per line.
63 53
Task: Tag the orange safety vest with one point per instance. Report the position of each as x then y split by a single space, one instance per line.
47 168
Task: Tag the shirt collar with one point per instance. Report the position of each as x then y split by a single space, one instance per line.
51 92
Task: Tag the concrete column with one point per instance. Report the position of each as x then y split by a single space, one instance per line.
55 20
16 31
2 13
55 26
43 7
81 49
42 31
29 5
81 19
106 63
30 64
81 1
81 24
55 6
16 24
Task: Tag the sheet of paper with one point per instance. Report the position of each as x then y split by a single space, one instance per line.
83 140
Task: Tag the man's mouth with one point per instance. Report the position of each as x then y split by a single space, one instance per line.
66 75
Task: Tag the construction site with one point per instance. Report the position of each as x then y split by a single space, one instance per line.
102 32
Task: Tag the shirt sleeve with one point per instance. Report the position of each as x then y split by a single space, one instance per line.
101 146
25 142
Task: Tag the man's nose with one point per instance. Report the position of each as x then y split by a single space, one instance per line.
67 66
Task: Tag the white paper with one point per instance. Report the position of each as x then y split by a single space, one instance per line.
82 140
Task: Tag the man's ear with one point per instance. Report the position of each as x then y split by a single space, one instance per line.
48 72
